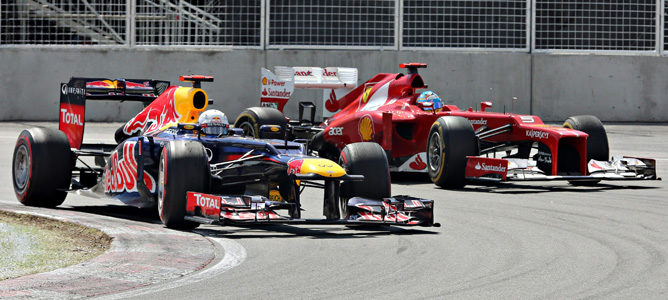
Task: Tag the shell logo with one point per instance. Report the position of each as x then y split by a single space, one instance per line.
365 96
366 128
264 81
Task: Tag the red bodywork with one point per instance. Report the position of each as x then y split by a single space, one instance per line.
384 110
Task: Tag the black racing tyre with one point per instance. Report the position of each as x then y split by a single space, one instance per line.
366 159
252 118
42 167
597 142
325 149
450 140
183 167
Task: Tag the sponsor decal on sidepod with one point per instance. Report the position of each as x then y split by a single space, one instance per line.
121 174
478 122
336 131
536 134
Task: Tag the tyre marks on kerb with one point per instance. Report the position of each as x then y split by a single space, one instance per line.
233 254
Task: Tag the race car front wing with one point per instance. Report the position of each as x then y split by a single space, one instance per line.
515 169
244 210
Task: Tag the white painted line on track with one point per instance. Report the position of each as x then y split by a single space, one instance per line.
234 255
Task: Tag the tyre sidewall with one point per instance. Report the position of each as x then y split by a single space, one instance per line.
366 159
50 172
458 141
182 172
597 142
258 116
22 195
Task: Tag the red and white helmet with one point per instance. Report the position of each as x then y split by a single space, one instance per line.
213 122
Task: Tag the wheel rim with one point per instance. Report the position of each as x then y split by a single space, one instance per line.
434 152
161 186
248 128
21 167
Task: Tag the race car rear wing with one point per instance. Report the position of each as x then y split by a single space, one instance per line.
73 96
277 87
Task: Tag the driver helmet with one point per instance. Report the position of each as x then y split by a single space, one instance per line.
429 96
213 122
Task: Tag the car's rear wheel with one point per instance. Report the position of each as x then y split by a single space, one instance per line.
366 159
451 140
252 118
42 167
597 142
183 167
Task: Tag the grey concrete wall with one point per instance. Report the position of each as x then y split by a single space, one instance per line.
30 77
617 88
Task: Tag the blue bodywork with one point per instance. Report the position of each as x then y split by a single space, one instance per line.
270 169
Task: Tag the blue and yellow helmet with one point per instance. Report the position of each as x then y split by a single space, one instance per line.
429 96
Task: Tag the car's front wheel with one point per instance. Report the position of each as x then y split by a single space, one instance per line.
366 159
183 167
451 140
597 141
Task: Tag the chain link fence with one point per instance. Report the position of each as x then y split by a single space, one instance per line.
332 24
628 25
636 26
63 22
489 24
198 22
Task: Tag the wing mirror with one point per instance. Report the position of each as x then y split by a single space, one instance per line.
187 126
236 131
270 130
485 105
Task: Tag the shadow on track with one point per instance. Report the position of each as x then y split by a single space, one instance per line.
513 188
147 215
291 231
519 187
150 215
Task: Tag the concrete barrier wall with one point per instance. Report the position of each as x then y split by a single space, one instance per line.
617 88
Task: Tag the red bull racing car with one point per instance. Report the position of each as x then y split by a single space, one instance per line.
198 171
419 133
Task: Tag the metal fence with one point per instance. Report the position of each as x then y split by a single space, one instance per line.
332 24
488 24
627 25
201 23
636 26
62 22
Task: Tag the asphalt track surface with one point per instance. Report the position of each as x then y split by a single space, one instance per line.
528 240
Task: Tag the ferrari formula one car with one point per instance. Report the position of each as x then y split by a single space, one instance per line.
421 134
198 171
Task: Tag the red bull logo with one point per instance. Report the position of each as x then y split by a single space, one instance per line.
295 166
120 175
158 114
